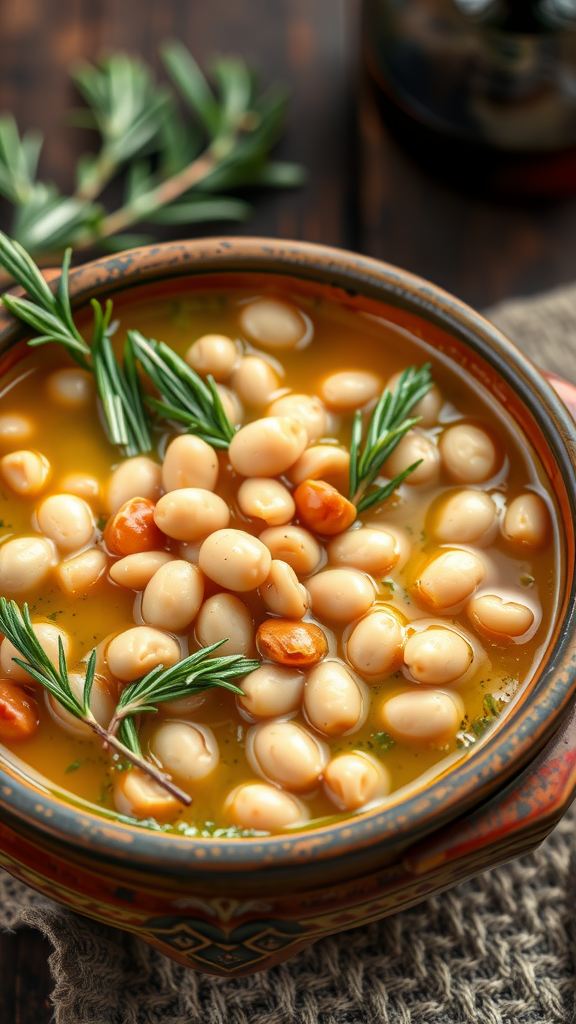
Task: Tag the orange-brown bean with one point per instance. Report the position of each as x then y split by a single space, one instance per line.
286 642
133 529
322 508
18 713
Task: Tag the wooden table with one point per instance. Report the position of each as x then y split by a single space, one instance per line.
364 193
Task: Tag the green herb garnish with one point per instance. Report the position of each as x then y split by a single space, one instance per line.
470 732
177 169
50 317
193 674
389 423
184 396
383 740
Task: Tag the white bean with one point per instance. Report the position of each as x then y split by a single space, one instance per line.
414 447
82 485
449 579
371 551
401 536
190 752
189 462
103 700
465 517
173 596
212 354
428 408
332 699
341 595
138 796
135 571
374 647
76 575
354 780
234 559
231 404
70 387
225 615
137 477
294 545
24 564
47 636
437 656
259 806
138 650
349 390
287 754
499 619
468 453
421 716
273 323
15 428
254 381
267 447
267 499
321 462
66 520
306 409
271 691
26 472
527 521
282 593
191 513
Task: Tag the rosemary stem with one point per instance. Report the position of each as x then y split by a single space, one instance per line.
110 740
103 171
163 194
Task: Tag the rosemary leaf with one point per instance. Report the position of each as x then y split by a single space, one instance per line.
18 160
389 423
126 108
194 674
184 395
50 316
176 168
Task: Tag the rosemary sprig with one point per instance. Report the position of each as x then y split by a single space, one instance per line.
388 425
127 109
194 674
198 672
47 313
50 317
184 396
176 168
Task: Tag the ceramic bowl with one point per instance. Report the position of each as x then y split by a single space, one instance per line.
237 906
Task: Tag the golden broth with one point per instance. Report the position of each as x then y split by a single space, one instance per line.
74 441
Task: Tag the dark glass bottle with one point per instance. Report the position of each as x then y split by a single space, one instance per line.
485 90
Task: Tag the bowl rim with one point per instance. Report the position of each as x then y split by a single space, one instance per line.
50 817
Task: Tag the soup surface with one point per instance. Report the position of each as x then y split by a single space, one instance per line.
389 640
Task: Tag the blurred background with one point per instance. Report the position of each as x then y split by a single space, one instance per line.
439 135
417 202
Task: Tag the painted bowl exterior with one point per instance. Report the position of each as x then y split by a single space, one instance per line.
236 906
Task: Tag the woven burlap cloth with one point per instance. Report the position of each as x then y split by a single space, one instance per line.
496 950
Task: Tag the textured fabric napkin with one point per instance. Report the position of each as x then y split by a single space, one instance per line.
496 950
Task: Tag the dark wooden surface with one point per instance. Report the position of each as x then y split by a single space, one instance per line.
364 192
